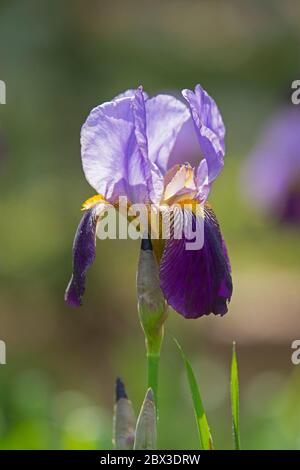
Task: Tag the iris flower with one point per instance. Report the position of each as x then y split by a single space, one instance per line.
136 146
271 176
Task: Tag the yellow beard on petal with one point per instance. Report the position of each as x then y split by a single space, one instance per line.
92 201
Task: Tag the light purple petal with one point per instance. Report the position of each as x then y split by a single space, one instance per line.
152 175
115 164
186 147
129 94
129 143
202 181
209 128
197 282
165 117
84 252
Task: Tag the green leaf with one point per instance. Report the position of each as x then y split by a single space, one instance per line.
203 427
234 392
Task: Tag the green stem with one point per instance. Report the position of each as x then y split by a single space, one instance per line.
153 367
154 341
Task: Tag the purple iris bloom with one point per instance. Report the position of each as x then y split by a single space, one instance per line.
271 176
133 146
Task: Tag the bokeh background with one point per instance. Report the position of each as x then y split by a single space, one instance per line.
59 59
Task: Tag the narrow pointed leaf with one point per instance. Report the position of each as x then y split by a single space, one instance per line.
234 392
206 441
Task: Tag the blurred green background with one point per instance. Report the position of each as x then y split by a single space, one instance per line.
59 59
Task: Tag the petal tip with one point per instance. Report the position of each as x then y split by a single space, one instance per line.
72 297
120 389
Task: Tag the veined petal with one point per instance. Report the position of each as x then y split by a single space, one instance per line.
165 117
111 160
203 186
152 174
129 93
209 128
114 150
84 252
186 148
197 282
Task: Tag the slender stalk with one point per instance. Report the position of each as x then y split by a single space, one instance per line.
153 368
153 343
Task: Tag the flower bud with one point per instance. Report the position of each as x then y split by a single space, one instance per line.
152 306
146 434
124 419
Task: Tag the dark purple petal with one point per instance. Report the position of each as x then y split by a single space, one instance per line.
197 282
84 252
